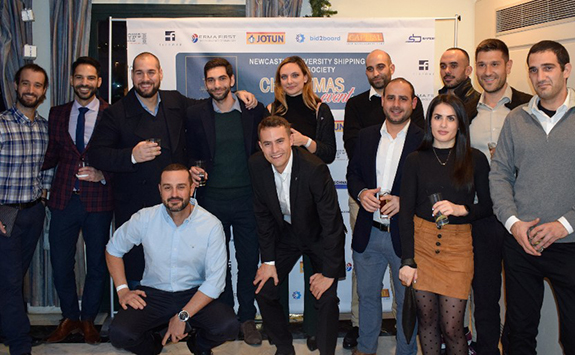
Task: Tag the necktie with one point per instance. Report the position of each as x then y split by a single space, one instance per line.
80 129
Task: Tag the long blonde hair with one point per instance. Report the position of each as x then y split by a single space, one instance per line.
279 106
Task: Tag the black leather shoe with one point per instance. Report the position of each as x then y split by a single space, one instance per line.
311 343
350 339
191 343
290 352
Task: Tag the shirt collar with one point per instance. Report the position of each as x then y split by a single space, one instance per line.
401 133
146 107
21 117
168 218
236 106
287 169
567 104
373 92
505 99
94 105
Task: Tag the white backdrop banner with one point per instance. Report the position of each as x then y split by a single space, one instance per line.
334 50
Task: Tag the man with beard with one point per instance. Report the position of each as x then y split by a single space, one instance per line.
492 65
362 111
223 133
80 199
375 168
23 143
184 274
135 139
455 70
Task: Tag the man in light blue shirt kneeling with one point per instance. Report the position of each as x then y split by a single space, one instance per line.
185 254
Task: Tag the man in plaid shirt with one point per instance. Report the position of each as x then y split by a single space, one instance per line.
23 143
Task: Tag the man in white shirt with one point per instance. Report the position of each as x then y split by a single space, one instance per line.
185 270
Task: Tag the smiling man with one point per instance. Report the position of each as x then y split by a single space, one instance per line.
23 143
297 213
80 199
223 133
531 180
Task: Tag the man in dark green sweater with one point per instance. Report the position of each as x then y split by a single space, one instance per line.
223 133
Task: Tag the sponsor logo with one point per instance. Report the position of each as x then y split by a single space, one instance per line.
385 293
324 38
296 295
221 37
169 36
137 38
299 38
265 38
348 267
418 39
365 37
340 184
424 64
340 154
339 126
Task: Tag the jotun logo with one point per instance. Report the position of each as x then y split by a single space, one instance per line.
265 38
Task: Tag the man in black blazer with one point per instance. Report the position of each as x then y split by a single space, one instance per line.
223 133
297 212
376 166
136 138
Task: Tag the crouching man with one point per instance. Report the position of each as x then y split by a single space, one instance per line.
185 255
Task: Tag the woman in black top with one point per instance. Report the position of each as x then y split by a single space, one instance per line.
439 262
311 120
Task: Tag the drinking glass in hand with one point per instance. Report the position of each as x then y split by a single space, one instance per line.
81 164
382 202
440 218
202 165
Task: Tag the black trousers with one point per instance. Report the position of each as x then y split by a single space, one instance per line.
132 329
524 282
288 252
488 236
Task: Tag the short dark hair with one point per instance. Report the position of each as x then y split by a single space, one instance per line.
218 62
88 61
404 81
177 167
555 47
461 50
272 122
33 67
493 44
145 54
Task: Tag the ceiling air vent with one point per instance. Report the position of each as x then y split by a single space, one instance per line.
533 13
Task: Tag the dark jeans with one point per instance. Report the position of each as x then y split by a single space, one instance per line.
15 256
524 282
239 215
488 236
288 252
131 329
65 227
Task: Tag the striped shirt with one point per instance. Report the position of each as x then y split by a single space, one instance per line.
23 144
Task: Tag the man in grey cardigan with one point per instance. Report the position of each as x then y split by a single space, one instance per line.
532 179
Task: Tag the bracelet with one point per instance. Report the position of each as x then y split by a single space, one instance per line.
121 287
308 143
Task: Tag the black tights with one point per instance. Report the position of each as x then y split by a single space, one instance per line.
439 315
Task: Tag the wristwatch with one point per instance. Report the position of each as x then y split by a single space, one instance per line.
183 315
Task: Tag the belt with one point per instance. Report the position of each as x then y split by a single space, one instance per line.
23 206
380 226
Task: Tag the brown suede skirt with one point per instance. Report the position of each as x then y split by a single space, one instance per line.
444 258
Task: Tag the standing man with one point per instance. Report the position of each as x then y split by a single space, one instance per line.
498 98
80 199
455 69
223 133
185 272
376 167
23 143
297 213
362 111
531 180
136 138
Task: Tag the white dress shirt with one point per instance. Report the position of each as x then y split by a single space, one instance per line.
90 119
282 181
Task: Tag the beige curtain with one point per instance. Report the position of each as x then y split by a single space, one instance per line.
273 8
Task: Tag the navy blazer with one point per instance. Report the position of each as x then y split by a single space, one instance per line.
201 132
361 175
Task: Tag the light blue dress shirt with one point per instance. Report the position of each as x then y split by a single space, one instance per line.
177 258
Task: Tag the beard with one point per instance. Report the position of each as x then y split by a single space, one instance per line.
29 104
85 96
149 94
176 208
221 96
397 121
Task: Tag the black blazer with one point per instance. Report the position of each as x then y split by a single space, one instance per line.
316 216
125 124
201 132
361 175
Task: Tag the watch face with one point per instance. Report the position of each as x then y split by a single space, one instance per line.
183 316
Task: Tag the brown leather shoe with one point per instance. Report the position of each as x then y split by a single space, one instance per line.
357 352
91 334
65 328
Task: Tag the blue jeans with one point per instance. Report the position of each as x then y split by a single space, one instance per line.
370 268
65 227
